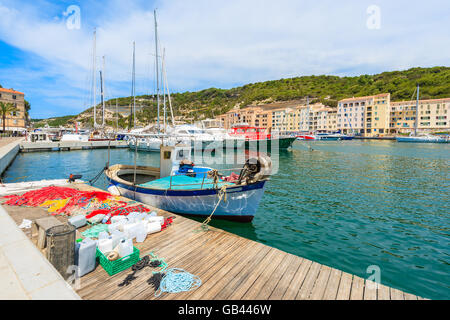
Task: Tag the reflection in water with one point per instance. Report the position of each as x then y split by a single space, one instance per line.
346 204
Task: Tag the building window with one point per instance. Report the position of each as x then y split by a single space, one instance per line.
14 96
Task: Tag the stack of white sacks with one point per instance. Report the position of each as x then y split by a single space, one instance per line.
123 229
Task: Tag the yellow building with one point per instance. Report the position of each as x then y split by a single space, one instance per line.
433 116
256 116
312 118
367 115
16 120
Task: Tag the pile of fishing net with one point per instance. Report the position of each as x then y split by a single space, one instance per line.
69 201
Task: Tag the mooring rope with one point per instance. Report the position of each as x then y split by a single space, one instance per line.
94 180
222 195
177 280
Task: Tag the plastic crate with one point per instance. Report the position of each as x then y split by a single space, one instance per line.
119 265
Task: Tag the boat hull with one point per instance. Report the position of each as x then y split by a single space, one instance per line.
261 144
241 201
421 140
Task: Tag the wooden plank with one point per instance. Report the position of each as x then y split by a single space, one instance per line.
263 285
216 273
396 294
196 267
357 292
308 284
245 285
193 253
318 290
286 279
409 296
141 284
345 286
370 290
229 284
90 287
383 292
297 280
332 285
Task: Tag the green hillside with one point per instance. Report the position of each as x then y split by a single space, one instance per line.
434 82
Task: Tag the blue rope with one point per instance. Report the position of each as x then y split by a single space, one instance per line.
177 280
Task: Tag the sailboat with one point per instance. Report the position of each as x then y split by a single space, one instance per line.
423 137
179 186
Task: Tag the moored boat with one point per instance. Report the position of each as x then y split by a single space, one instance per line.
260 139
306 137
181 187
423 139
328 136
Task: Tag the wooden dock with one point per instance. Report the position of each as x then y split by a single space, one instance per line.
38 146
230 268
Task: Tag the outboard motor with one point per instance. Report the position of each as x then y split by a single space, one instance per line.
257 167
187 167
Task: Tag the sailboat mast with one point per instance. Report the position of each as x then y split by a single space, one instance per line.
157 68
307 110
102 77
117 117
94 78
134 84
101 93
164 88
417 111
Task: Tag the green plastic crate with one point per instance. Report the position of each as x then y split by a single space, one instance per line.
114 267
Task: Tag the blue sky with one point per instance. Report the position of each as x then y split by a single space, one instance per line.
209 43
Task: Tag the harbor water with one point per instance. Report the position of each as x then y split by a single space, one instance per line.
352 205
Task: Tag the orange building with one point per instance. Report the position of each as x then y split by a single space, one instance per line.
15 120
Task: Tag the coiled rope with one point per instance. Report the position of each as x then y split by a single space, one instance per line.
177 280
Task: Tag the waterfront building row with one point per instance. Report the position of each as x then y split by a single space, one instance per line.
368 116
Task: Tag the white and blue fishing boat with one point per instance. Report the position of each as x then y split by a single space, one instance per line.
181 187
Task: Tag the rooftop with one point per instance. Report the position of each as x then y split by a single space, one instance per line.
366 97
10 91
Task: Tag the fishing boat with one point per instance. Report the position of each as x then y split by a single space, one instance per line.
258 138
423 137
181 187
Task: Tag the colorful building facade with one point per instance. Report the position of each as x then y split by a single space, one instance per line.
15 120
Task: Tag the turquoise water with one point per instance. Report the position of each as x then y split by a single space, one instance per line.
345 204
